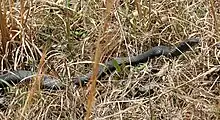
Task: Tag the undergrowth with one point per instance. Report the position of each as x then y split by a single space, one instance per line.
74 32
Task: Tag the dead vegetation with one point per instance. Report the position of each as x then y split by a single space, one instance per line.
186 87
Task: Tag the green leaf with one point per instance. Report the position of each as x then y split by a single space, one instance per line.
116 65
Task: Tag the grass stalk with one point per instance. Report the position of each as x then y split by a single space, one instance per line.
3 26
35 89
214 17
109 6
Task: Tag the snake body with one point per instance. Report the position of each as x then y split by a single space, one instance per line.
49 82
20 76
141 58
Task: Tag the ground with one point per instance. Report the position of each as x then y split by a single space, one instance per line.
185 87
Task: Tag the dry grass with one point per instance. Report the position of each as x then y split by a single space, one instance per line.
186 87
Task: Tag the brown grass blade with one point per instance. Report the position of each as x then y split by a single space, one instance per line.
93 79
35 89
214 17
3 26
109 5
137 3
22 11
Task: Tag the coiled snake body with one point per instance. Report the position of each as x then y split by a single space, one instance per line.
49 82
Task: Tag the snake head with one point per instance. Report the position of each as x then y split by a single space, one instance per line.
193 41
184 46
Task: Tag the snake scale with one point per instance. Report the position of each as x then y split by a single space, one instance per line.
10 78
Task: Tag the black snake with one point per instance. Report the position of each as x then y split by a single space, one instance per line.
9 78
